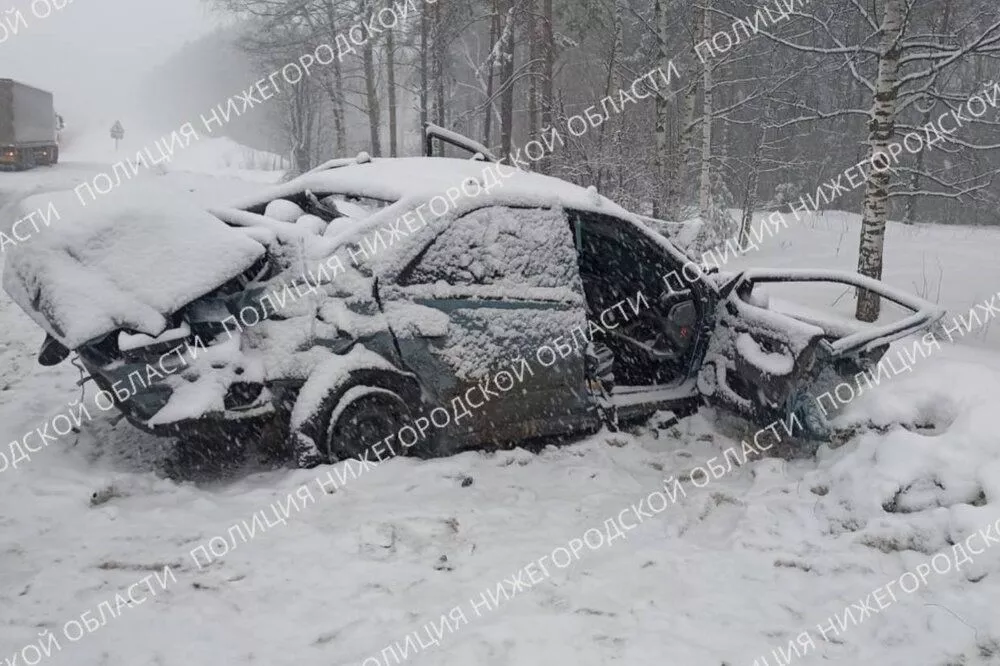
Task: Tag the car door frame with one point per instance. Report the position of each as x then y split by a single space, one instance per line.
823 346
585 417
639 401
923 312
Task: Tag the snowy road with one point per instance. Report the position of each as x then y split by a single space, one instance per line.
732 571
63 176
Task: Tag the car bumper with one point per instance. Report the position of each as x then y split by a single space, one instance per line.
220 424
142 406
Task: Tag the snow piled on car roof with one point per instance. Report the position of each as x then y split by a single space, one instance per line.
125 261
396 179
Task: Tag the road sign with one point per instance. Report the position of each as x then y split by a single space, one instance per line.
117 132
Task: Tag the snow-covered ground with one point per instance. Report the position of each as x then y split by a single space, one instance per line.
952 265
211 155
732 571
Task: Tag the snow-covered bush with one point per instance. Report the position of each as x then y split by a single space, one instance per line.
784 195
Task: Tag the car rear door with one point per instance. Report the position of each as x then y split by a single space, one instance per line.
478 314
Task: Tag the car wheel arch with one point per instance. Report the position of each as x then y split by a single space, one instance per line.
325 390
361 405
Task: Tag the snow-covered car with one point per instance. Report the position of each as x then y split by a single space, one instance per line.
333 310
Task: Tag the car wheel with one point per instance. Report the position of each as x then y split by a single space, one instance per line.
364 416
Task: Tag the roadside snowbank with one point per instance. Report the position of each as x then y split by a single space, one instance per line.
218 155
953 266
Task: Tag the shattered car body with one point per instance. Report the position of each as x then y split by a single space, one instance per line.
342 311
766 363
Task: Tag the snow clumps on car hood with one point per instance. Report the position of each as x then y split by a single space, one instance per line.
125 261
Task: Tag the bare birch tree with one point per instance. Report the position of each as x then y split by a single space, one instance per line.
900 61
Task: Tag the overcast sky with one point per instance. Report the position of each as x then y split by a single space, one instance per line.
91 53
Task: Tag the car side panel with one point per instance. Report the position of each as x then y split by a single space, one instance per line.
489 344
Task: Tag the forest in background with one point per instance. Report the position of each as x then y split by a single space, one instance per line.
792 95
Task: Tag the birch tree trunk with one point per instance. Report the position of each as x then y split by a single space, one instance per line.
335 87
534 36
611 83
665 192
340 115
371 92
679 168
507 79
438 73
302 107
705 185
882 127
491 73
687 132
424 85
753 185
548 56
390 64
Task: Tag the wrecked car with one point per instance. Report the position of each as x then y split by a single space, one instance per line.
330 311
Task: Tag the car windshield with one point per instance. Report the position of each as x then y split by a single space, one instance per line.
354 207
672 231
320 208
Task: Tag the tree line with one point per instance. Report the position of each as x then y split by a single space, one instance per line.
775 98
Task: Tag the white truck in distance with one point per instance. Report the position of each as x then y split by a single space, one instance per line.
27 127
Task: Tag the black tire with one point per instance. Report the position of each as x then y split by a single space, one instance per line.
364 416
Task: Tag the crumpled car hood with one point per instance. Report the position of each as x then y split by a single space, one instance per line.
128 261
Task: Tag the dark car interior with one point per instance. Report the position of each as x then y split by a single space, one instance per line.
655 345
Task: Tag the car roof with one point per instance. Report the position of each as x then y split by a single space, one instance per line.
413 178
409 181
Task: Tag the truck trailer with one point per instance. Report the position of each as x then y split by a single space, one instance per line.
27 127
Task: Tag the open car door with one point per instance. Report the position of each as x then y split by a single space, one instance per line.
766 362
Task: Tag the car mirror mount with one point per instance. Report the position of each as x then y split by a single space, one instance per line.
729 286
